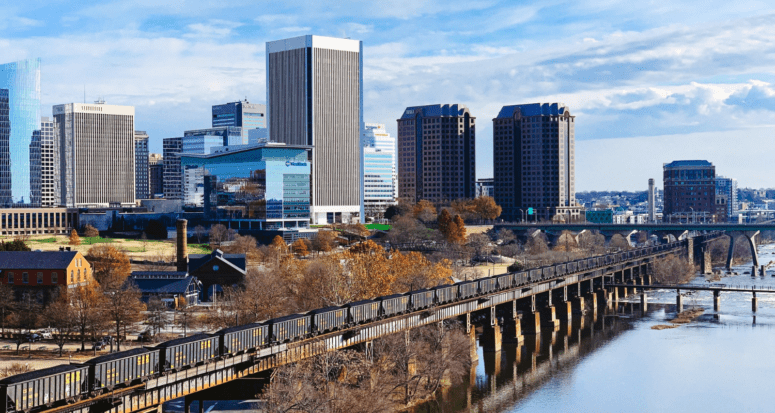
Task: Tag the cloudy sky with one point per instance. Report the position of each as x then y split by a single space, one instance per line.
648 81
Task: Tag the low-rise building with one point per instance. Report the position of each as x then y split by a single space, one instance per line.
176 289
217 270
41 273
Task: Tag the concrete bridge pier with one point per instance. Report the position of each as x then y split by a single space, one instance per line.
512 328
753 271
472 336
716 301
492 339
643 301
754 303
549 317
679 301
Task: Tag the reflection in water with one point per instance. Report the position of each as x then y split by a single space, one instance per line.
613 361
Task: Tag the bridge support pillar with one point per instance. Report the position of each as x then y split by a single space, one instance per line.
492 338
532 322
679 301
754 303
512 332
751 237
550 318
707 266
566 311
615 294
474 353
579 305
644 302
731 252
716 301
754 271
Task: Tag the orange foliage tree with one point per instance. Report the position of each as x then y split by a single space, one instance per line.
108 262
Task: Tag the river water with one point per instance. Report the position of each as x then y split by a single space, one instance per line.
616 362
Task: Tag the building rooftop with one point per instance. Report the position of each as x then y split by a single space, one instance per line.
676 164
163 285
436 110
533 109
35 260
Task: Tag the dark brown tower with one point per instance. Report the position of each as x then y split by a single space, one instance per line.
181 225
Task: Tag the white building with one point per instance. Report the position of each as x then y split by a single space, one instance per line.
49 164
379 169
96 154
314 98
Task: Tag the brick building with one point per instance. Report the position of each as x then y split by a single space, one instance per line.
42 272
690 191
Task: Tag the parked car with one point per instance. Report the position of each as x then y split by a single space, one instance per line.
46 334
32 337
146 335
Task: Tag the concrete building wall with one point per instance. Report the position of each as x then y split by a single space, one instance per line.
31 221
315 98
97 154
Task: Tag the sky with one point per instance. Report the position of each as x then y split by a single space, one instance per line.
649 82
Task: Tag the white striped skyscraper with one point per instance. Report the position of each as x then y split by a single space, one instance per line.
315 97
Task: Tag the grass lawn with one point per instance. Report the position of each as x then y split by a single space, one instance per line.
95 240
198 249
45 240
381 227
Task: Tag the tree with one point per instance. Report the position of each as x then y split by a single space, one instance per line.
366 247
107 261
15 245
486 208
87 303
144 240
157 314
74 238
218 234
673 270
279 244
7 304
445 223
300 248
401 208
407 230
90 232
536 245
324 241
122 306
460 231
60 315
424 210
199 231
479 242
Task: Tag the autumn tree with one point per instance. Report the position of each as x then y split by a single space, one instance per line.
486 208
324 241
424 210
60 315
300 248
87 303
90 232
74 238
108 262
7 304
279 244
367 247
122 303
445 223
459 234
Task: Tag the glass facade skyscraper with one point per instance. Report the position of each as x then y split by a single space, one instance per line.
141 165
379 169
19 120
243 114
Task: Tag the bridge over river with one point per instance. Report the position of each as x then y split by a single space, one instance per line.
505 314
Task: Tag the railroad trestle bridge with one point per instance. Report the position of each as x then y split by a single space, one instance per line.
507 315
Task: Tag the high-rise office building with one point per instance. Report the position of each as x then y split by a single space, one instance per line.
49 164
726 189
243 114
690 191
19 119
436 153
379 169
156 175
533 160
173 176
141 165
96 154
315 98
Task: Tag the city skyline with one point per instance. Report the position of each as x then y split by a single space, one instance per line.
648 78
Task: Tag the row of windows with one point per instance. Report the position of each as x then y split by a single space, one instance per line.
54 277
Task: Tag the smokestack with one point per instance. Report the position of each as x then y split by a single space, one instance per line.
652 207
181 225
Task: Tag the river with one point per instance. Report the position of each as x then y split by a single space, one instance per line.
616 362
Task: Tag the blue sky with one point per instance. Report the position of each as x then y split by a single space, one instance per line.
649 81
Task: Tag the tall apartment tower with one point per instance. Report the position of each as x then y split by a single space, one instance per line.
436 153
141 165
243 114
379 169
690 191
19 121
652 202
533 158
156 175
96 154
173 175
315 98
49 164
726 189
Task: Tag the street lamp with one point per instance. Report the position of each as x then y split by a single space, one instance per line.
693 219
522 214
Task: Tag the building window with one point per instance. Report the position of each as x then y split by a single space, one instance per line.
54 278
25 278
10 278
40 278
79 275
72 276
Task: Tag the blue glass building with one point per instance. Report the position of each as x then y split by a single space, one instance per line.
242 114
19 120
269 185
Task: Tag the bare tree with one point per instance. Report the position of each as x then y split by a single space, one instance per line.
157 314
123 306
87 303
673 269
199 231
218 234
61 316
7 304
